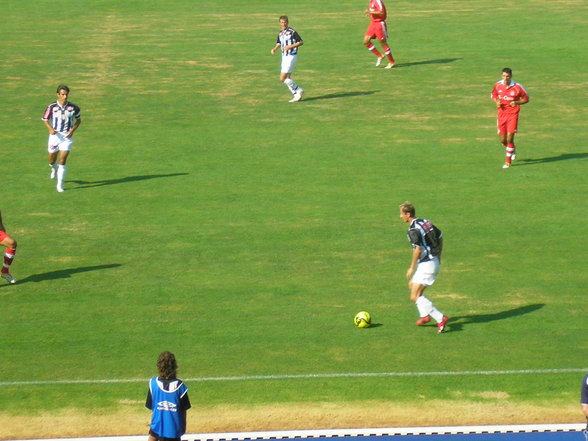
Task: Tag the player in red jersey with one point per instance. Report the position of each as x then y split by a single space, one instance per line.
509 96
10 244
377 29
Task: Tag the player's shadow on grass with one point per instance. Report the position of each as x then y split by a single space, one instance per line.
562 157
64 273
457 323
331 96
419 63
90 184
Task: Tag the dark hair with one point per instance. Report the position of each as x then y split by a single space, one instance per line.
283 17
508 70
167 365
62 87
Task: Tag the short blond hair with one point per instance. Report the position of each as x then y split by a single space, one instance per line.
408 207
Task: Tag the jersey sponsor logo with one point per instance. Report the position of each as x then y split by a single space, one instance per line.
167 406
506 97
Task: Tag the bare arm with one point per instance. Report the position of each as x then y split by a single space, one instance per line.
275 48
51 129
369 12
74 128
519 102
416 253
292 46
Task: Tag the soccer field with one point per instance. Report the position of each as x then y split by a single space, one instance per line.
206 215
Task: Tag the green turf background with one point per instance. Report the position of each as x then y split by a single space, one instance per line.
206 215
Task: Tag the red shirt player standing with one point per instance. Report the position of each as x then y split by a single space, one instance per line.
10 244
377 29
509 96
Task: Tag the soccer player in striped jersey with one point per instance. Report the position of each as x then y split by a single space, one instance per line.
62 119
10 244
427 244
289 41
509 96
378 29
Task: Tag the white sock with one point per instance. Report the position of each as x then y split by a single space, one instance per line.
60 175
291 85
433 312
422 305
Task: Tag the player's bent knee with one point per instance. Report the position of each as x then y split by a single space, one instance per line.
9 242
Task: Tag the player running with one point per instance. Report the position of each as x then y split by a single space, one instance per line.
378 29
509 96
289 41
62 119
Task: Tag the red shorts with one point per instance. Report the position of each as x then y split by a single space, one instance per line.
3 235
377 29
507 122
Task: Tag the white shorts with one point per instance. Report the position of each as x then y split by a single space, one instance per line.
426 272
288 63
60 142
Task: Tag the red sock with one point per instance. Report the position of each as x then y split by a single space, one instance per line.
510 148
388 53
372 48
8 258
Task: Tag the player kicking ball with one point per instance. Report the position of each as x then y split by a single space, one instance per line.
427 244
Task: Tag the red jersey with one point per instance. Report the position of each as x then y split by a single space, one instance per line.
377 6
508 93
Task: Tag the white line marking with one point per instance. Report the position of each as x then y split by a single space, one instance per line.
306 376
351 433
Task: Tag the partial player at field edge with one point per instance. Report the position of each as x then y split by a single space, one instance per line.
584 402
10 244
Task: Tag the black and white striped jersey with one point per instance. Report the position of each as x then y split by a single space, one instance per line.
287 37
422 233
61 118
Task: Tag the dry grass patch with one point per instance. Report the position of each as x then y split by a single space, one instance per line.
134 420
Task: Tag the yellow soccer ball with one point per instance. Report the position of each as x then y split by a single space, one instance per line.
362 319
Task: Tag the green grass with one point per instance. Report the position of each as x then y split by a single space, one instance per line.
206 215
